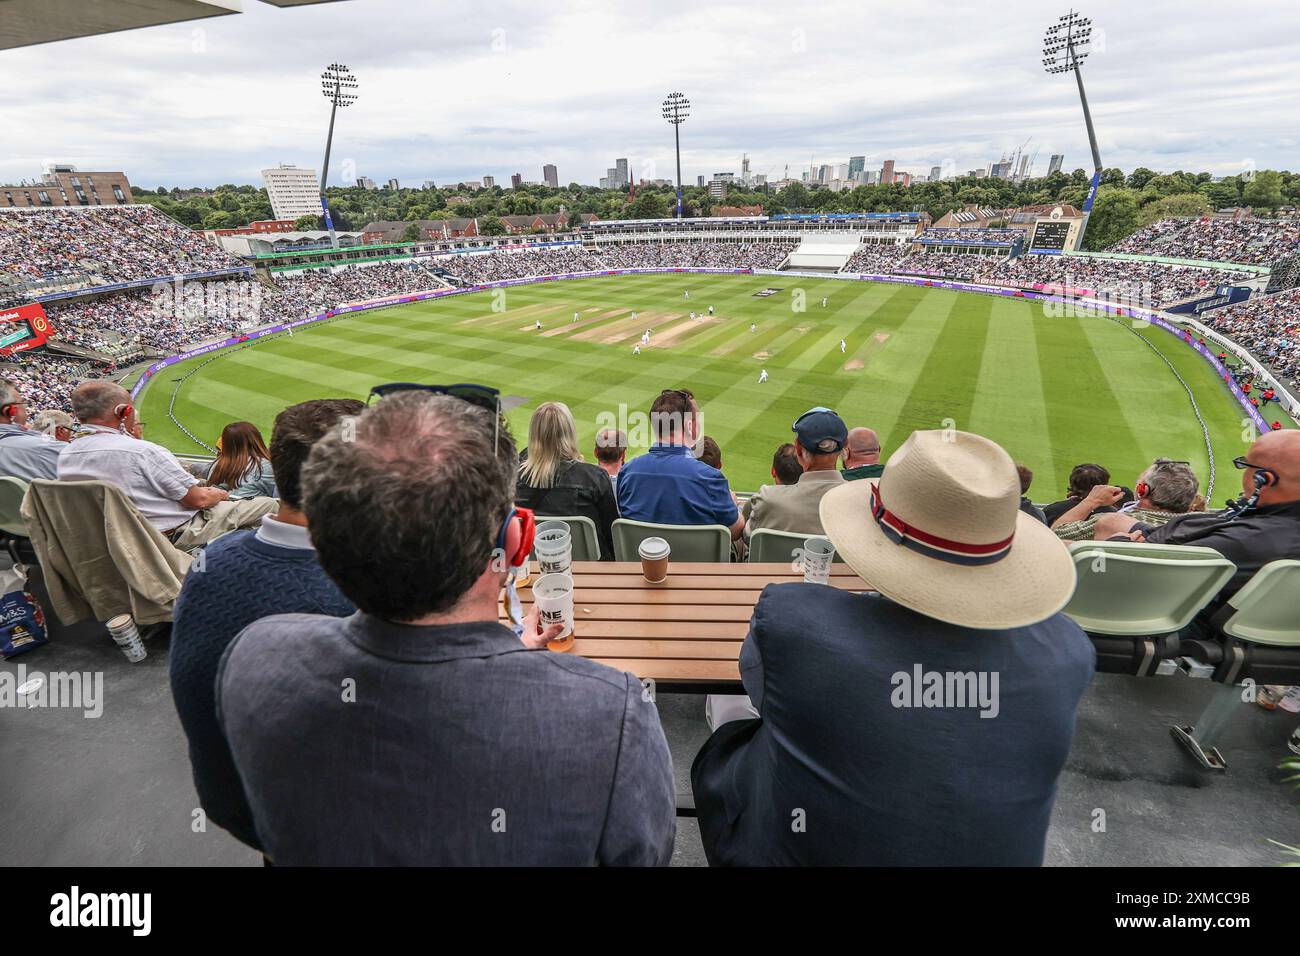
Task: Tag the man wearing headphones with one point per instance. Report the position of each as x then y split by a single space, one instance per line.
24 453
167 495
1263 527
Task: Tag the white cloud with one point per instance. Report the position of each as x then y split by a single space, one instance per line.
454 93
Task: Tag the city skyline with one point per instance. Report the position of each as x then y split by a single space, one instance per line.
203 86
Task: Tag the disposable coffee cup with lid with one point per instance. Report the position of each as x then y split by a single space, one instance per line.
654 559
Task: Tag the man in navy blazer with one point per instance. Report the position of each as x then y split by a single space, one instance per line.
420 731
924 725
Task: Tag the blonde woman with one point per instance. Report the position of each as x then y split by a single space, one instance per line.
555 481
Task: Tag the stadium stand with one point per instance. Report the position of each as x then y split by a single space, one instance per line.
1250 241
47 250
1269 326
823 253
698 255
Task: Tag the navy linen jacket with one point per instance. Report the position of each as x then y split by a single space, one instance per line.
835 771
456 746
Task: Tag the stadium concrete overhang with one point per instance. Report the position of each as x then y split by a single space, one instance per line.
30 22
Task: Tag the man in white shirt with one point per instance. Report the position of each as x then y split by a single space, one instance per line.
168 496
24 453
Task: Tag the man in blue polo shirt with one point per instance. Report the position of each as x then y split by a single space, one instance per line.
668 485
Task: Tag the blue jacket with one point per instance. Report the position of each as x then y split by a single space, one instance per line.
363 742
667 486
846 765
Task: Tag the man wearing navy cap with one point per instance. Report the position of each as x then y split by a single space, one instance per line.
820 435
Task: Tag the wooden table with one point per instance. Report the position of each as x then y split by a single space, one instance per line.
685 633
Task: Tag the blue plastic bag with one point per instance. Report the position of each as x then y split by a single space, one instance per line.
22 622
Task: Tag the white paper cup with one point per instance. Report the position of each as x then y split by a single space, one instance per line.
818 553
127 637
553 594
553 547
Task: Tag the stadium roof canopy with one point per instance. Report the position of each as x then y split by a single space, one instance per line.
29 22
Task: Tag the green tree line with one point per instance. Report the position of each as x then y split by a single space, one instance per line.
1124 203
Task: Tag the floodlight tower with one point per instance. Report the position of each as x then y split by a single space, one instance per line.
340 88
676 108
1065 45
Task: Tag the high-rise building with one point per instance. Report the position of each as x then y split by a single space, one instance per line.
1023 171
718 188
293 191
394 185
620 172
516 180
887 173
429 184
744 168
856 165
489 182
365 182
1058 159
550 176
936 173
699 181
604 182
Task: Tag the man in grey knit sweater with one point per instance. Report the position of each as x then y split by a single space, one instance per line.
239 578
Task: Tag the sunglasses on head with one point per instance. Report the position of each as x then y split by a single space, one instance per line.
482 396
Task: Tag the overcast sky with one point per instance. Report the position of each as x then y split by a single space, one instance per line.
453 91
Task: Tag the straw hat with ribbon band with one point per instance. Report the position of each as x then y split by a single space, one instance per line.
941 532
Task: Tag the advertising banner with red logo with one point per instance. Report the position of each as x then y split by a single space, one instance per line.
23 327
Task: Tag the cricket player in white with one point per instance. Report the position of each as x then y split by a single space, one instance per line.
692 315
575 317
842 346
753 327
762 376
710 310
823 302
539 324
687 294
636 349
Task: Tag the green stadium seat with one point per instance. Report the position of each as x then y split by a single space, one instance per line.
1259 643
12 492
707 542
582 534
1267 609
766 545
1133 601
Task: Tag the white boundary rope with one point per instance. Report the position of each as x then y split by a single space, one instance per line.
1205 429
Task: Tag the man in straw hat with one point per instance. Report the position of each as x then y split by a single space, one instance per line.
927 724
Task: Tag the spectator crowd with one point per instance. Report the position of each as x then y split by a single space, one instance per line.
1250 241
1269 326
697 255
100 245
368 546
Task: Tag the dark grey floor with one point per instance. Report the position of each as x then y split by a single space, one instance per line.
117 790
